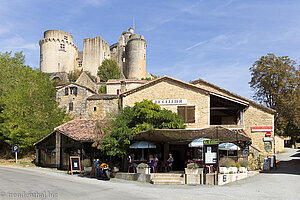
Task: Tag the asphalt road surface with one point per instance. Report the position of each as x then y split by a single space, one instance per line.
35 183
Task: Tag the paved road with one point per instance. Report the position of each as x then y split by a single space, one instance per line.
281 184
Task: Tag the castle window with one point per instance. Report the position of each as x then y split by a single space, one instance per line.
123 59
80 63
41 57
187 113
95 108
66 91
71 106
73 90
65 37
62 47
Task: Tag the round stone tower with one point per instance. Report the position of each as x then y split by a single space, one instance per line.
57 52
135 57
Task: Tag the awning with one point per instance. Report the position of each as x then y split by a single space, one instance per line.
184 136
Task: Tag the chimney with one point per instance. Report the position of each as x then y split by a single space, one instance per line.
123 86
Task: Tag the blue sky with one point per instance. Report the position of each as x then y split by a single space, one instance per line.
214 40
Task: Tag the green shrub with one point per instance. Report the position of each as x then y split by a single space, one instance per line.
244 163
192 166
143 166
226 162
86 163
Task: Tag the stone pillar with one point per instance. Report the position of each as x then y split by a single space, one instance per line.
166 151
58 150
37 156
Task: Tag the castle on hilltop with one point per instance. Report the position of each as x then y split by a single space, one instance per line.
60 56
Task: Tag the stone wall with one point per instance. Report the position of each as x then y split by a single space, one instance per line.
86 81
279 144
257 117
102 108
172 90
79 100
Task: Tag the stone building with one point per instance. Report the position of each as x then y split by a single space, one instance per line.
207 110
59 55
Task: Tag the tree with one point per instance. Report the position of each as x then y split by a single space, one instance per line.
28 107
73 75
275 81
109 70
142 116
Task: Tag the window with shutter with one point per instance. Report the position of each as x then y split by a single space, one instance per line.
66 91
71 106
187 113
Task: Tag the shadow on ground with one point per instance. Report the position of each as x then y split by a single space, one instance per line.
288 167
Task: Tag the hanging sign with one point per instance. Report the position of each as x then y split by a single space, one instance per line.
261 128
170 101
205 142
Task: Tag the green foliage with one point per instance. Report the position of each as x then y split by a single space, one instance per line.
102 89
226 162
73 75
109 70
142 116
86 163
192 166
28 107
244 163
275 81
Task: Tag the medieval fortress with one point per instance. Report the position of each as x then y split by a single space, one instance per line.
60 56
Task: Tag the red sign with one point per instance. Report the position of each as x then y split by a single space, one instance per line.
268 134
261 128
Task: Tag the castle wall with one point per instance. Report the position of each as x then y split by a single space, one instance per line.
102 108
135 57
57 52
95 50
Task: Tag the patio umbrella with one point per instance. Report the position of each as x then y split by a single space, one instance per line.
229 147
142 145
197 142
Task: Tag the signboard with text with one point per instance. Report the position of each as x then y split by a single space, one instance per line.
170 101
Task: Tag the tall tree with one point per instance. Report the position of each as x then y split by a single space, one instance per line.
109 70
27 97
142 116
275 81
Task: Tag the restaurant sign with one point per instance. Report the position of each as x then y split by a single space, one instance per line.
206 142
170 101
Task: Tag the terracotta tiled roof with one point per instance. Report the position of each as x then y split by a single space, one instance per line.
84 130
102 96
79 129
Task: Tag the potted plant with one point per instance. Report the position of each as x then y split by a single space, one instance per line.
244 165
233 168
225 163
87 166
143 168
193 168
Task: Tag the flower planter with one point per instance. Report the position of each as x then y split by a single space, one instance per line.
233 170
224 170
242 169
143 170
193 171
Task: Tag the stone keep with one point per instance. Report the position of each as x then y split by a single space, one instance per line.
58 53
